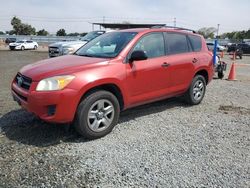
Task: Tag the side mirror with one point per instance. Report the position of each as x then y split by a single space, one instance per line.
137 56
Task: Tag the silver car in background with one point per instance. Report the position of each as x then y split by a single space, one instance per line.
69 47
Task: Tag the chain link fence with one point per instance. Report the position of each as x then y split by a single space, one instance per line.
40 39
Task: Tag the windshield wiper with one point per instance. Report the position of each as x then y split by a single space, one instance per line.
86 55
92 55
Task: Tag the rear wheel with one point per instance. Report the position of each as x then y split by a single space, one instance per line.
196 91
97 115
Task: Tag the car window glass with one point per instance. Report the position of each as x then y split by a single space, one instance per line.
107 45
28 41
195 42
177 43
152 45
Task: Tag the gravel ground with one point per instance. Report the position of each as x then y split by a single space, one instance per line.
163 144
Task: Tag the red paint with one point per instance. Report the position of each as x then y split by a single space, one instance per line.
140 82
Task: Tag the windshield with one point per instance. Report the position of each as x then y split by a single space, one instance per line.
108 45
91 35
20 42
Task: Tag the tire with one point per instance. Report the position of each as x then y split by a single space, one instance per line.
22 48
220 75
97 115
35 47
198 84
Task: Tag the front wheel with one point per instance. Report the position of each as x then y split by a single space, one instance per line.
35 47
97 115
22 48
196 91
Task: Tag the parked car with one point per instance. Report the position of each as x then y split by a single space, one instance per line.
69 47
210 46
23 45
114 72
10 40
244 47
239 49
232 47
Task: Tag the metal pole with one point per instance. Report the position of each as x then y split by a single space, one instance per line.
174 22
215 51
218 27
215 44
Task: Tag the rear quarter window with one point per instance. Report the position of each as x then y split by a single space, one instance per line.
195 42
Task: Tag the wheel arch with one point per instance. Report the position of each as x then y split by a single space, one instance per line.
204 73
110 87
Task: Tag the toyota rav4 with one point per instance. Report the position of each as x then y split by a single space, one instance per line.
113 72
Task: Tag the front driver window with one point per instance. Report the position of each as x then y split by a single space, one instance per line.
152 45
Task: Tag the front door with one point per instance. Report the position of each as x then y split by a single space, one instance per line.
148 79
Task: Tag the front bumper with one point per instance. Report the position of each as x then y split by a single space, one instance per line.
51 106
54 52
15 47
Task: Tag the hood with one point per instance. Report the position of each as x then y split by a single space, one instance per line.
63 65
15 44
67 43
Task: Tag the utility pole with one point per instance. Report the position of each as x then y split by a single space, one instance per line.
103 21
174 22
218 27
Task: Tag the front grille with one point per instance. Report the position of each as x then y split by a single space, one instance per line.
53 51
23 81
20 96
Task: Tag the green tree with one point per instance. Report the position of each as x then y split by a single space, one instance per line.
61 32
20 28
83 34
42 32
73 34
11 32
16 23
238 35
207 32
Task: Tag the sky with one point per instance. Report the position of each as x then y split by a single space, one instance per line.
77 15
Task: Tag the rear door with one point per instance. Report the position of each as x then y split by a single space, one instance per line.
181 60
29 44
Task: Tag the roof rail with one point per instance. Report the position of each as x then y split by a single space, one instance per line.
173 27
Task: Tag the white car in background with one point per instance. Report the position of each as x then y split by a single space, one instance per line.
210 46
23 45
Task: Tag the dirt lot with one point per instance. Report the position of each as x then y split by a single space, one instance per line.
164 144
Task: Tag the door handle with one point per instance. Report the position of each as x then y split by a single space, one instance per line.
195 60
165 64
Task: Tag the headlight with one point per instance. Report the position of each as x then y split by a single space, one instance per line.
68 50
54 83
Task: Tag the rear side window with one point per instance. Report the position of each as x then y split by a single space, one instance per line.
176 43
195 42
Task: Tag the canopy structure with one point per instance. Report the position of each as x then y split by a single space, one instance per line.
125 25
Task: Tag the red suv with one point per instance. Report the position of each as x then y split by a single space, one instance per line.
113 72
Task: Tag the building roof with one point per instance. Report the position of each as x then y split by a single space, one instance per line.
126 25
